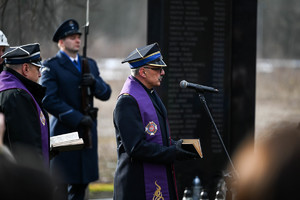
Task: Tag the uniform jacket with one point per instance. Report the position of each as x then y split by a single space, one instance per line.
133 149
63 102
21 116
1 67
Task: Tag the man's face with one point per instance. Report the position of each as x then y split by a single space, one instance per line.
33 73
2 49
71 43
153 76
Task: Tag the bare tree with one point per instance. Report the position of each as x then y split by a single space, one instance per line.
3 5
115 26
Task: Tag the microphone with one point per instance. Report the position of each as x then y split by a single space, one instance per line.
200 88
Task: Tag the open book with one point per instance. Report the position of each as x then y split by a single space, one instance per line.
192 145
66 142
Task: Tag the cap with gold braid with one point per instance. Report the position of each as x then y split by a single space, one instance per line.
147 55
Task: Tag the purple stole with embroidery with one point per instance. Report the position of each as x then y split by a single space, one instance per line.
155 177
9 81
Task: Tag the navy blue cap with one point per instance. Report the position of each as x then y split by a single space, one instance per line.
147 55
28 53
68 27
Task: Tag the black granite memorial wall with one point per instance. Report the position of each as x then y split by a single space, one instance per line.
210 43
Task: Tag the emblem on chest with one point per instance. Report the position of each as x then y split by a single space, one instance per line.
151 128
42 118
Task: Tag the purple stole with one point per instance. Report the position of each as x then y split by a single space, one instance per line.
155 177
9 81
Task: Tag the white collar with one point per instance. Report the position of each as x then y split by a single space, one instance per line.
74 59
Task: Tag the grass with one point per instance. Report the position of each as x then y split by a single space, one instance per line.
101 187
100 190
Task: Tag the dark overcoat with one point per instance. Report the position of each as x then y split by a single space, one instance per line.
22 119
133 149
63 102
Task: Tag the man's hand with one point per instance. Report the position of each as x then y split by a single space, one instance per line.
53 153
2 128
88 79
182 154
86 121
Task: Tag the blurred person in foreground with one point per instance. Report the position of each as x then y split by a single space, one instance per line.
63 77
21 182
4 151
26 134
269 170
145 150
3 45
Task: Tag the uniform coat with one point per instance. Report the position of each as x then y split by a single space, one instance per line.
1 67
133 149
21 116
63 102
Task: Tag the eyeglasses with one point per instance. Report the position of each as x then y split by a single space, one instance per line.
155 68
38 68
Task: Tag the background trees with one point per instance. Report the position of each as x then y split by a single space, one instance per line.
116 27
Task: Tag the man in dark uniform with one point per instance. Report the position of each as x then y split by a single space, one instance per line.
63 77
3 46
145 149
21 102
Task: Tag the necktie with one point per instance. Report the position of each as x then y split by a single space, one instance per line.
77 65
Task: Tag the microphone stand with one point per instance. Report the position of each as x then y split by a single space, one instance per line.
228 175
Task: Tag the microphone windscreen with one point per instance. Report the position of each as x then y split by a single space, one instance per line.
183 84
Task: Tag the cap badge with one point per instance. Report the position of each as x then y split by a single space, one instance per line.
151 128
71 23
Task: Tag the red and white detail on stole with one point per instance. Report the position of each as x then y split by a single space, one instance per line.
151 128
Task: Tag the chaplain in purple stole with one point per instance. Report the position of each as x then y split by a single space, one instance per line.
145 149
21 97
